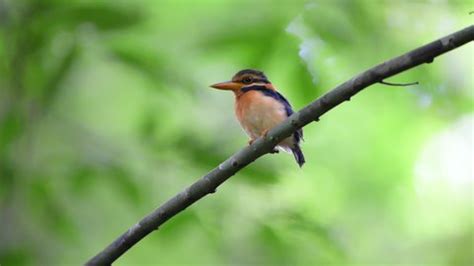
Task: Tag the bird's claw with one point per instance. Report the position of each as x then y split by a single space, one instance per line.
264 135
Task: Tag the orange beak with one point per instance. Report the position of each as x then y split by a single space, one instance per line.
228 85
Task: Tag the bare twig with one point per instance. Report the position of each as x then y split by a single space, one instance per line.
398 84
208 183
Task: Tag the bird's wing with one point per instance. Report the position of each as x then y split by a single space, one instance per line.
289 111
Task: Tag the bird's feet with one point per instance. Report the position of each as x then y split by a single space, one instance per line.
264 135
275 150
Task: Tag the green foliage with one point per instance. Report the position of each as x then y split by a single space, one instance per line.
105 112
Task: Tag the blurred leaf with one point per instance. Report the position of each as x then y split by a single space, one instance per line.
275 246
7 177
17 256
331 23
256 40
144 60
58 74
148 126
11 125
82 179
121 178
49 209
327 241
106 17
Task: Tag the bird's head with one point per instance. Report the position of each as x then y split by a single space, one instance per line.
244 78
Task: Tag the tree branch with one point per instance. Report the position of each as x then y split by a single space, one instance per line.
208 183
398 84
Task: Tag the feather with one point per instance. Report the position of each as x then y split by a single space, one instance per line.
299 157
277 96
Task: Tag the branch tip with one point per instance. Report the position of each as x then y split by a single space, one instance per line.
399 84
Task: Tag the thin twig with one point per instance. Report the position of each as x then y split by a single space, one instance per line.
398 84
208 183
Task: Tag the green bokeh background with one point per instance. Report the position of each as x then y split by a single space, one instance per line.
105 113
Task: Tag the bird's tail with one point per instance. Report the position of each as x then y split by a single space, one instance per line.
299 157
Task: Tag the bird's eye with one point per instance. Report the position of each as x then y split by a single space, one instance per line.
247 80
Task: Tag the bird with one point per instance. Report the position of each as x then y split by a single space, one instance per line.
259 107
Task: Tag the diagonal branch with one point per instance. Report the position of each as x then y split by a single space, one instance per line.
208 183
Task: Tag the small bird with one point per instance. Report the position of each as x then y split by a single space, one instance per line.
259 107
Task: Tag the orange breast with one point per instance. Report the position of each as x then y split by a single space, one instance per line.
258 113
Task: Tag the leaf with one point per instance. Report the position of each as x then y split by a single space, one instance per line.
82 179
16 256
47 208
53 84
121 179
141 58
103 16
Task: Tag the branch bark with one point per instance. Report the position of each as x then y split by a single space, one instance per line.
312 112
